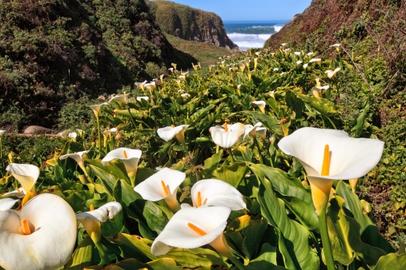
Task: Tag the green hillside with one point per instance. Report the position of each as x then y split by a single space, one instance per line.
53 52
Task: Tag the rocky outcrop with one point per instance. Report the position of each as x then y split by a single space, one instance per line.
190 24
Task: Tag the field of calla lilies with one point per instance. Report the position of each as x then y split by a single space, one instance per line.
241 165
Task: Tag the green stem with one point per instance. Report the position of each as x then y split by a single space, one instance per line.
98 133
328 255
237 263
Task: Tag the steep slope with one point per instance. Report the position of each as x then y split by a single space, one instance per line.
191 24
326 22
53 51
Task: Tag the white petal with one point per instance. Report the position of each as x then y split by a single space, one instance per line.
50 245
105 212
168 133
212 220
350 157
141 98
227 139
2 132
77 156
26 174
215 192
7 204
122 153
151 188
259 103
121 99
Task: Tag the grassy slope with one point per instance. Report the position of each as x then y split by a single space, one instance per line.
205 53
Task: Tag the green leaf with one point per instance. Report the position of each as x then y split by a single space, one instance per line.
281 182
154 216
163 264
267 259
369 232
134 245
232 174
124 193
295 246
199 258
359 127
391 261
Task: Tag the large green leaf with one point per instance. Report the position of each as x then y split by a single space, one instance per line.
199 258
369 232
297 252
391 261
232 174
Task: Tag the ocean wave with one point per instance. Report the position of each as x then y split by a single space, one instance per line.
247 41
278 28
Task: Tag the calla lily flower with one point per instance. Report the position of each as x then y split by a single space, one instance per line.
77 156
254 130
26 174
298 53
2 132
261 105
213 192
227 135
328 155
305 65
320 87
315 60
162 185
128 156
92 220
120 99
72 135
7 204
193 228
331 73
41 235
185 95
150 86
169 132
299 62
142 98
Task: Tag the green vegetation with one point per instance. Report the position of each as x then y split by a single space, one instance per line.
279 209
204 53
53 52
374 41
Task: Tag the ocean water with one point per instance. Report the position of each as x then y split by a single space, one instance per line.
251 34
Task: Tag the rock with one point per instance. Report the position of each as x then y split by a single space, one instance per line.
191 24
37 130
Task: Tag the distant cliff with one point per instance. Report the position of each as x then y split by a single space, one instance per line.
54 51
190 24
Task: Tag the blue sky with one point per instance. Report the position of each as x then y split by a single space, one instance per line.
251 10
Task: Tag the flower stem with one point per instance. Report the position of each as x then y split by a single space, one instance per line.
328 255
237 263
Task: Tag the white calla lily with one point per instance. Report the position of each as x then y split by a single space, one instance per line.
41 235
227 135
77 156
192 228
142 98
2 132
328 155
254 130
72 135
162 185
92 220
169 132
130 158
331 73
261 105
214 192
26 174
315 60
7 204
120 99
350 157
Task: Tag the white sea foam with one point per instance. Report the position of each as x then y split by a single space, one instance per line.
248 41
